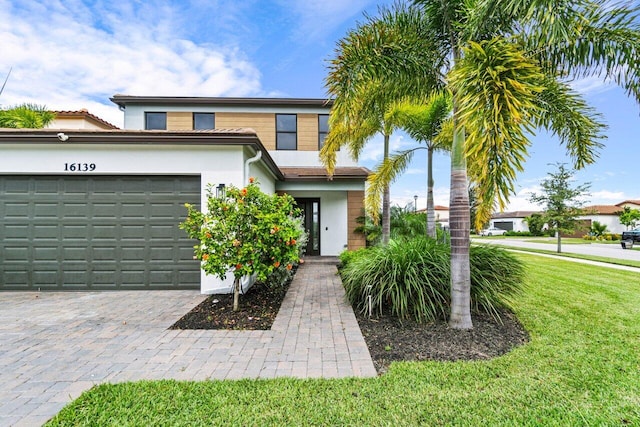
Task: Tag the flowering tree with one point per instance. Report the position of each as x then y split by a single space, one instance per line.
246 231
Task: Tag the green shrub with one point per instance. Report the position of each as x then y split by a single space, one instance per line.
519 233
278 277
411 279
347 256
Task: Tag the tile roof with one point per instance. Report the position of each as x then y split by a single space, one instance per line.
631 202
84 113
603 209
513 214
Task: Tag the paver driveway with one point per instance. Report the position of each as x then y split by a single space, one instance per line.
54 346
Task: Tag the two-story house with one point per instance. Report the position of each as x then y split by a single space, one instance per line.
99 209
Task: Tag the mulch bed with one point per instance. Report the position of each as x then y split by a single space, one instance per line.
259 307
388 338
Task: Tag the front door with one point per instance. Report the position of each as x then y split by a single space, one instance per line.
311 214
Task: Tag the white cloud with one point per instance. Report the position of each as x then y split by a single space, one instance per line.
373 151
591 85
520 201
65 57
404 197
317 18
603 197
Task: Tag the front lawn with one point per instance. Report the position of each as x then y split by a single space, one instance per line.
580 368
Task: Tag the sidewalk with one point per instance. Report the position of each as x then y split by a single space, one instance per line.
54 346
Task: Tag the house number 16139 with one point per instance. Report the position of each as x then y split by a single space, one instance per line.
79 167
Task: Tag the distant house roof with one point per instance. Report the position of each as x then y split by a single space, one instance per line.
319 173
123 100
86 115
514 214
629 202
436 208
603 209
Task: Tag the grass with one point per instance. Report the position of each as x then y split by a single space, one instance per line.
616 261
580 368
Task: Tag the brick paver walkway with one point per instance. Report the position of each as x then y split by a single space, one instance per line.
54 346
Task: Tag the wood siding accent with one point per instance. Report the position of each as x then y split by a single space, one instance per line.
307 132
263 123
355 209
179 120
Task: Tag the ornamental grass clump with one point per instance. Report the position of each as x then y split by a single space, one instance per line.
411 279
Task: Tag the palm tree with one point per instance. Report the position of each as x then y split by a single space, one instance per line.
366 118
360 111
423 122
29 116
507 65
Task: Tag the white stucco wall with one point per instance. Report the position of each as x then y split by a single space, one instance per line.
611 221
518 223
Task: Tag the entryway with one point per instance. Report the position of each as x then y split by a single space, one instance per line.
311 212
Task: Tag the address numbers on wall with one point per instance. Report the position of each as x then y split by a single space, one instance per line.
79 167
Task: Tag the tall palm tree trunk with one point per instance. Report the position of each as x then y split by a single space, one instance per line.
460 223
386 200
431 214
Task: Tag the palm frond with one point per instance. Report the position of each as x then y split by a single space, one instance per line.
498 87
383 175
28 116
422 121
565 112
585 38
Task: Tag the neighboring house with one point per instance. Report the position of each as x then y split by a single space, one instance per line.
99 209
511 221
608 215
442 214
633 204
81 119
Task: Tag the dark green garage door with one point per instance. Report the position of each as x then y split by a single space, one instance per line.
98 232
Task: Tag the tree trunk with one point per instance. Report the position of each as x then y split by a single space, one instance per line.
386 200
431 214
459 221
559 243
236 294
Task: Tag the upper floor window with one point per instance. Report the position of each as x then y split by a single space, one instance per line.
203 121
155 121
323 129
286 132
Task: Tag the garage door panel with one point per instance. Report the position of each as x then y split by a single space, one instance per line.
47 186
16 253
45 231
77 210
16 209
45 253
79 232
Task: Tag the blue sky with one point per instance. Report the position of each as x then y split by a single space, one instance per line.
74 54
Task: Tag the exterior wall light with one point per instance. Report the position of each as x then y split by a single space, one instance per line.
220 191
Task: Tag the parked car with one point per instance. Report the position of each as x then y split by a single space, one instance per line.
493 231
633 235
